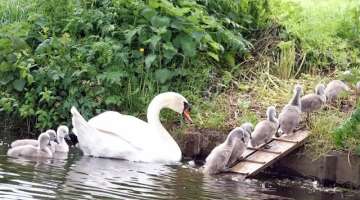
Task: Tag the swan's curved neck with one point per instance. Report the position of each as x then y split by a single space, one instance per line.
153 117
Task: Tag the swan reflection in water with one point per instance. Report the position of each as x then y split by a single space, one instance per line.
113 178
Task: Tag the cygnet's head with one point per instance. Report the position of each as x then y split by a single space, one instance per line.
237 133
62 131
175 102
298 89
271 113
52 134
44 139
248 127
320 89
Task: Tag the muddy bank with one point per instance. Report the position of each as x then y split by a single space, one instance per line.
335 168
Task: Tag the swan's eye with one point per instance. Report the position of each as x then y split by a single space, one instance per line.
187 106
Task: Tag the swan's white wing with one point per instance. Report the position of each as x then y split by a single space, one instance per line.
130 129
119 137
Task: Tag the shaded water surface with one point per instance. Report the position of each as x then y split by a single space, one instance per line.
79 177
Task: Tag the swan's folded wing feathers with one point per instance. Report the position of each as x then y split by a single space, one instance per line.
123 126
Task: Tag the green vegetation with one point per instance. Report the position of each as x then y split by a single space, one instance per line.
230 58
115 54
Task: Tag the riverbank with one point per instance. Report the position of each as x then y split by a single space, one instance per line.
335 168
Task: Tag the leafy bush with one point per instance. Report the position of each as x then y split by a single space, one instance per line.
116 54
347 135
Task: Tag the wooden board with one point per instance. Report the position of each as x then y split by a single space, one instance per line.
255 160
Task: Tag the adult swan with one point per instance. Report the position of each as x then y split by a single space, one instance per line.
114 135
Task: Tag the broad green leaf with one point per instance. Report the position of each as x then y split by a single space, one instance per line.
163 75
19 84
149 60
159 21
154 40
169 50
148 13
187 44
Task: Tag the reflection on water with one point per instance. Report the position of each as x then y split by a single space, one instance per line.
78 177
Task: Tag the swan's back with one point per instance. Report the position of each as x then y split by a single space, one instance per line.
113 135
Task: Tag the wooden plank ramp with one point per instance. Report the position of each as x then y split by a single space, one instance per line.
257 159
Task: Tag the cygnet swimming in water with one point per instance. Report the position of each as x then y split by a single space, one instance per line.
265 129
313 102
40 151
240 145
334 89
289 117
62 146
33 142
218 159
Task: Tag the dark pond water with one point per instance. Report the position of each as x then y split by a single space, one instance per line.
80 177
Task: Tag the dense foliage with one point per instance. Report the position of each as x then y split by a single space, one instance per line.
115 54
347 135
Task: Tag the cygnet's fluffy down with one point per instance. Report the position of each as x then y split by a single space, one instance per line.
289 117
40 151
265 129
313 102
33 142
240 145
219 157
62 146
334 89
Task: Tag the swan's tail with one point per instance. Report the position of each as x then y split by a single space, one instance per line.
79 123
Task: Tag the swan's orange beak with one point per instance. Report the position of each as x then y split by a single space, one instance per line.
186 116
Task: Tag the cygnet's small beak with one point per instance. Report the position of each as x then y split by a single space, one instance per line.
243 140
56 141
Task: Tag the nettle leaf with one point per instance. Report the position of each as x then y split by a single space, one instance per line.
129 34
163 75
154 40
149 60
160 21
19 84
148 13
113 100
169 50
187 44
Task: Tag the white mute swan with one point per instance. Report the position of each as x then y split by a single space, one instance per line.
114 135
41 151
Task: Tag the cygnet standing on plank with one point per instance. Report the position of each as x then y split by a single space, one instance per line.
289 118
265 129
219 157
240 145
